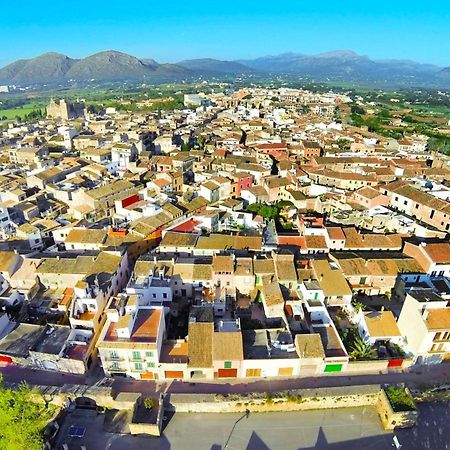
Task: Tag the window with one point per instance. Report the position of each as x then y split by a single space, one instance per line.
138 366
149 354
154 295
227 365
136 355
164 295
151 364
113 355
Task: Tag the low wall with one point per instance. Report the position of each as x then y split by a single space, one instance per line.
59 395
152 429
440 393
375 366
144 428
366 366
294 400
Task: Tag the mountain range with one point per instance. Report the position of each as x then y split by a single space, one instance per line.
346 65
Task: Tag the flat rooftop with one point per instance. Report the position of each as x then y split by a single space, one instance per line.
53 340
425 295
259 344
21 339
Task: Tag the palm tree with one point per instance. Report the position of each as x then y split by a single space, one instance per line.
361 350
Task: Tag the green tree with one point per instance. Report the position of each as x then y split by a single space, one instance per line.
200 141
356 109
23 417
343 144
185 147
384 114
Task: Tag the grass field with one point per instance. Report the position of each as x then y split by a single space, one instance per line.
21 112
437 110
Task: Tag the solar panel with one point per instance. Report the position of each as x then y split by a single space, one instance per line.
75 431
81 431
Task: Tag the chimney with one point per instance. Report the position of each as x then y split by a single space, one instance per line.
425 314
382 309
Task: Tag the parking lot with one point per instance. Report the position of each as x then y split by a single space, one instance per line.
340 429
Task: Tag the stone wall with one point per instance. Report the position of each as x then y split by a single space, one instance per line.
375 366
59 395
150 428
295 400
392 419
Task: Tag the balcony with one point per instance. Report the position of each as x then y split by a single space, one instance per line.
114 358
113 368
441 341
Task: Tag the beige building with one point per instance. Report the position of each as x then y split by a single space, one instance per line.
131 344
424 322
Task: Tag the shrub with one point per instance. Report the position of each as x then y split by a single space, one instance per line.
294 398
400 399
148 403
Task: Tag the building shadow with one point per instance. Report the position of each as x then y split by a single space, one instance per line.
256 443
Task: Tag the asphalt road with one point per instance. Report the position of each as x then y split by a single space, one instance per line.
340 429
421 376
426 375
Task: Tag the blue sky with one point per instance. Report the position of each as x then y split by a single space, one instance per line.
171 30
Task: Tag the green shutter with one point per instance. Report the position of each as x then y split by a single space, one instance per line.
149 354
333 368
138 366
227 365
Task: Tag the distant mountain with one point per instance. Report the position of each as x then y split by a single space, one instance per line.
47 67
345 65
208 65
444 74
104 66
109 65
326 64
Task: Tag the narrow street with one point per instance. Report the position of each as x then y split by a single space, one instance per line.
418 376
